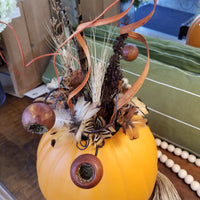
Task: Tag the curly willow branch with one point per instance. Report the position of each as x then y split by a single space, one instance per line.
98 22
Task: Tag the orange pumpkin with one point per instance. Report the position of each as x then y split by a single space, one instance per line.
193 35
129 167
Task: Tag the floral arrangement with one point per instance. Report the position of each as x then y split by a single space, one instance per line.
92 111
7 7
93 101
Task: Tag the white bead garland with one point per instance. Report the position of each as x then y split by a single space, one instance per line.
169 163
182 173
159 153
177 151
195 185
197 162
163 158
176 168
164 145
189 179
184 155
171 148
158 142
192 158
198 192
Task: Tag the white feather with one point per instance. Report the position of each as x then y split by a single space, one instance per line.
85 110
63 117
79 132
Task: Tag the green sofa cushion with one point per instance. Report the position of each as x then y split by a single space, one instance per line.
169 52
173 98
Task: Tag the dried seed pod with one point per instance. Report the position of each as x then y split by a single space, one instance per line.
76 79
86 171
38 118
130 52
112 78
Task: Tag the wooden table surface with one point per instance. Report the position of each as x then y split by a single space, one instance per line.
18 156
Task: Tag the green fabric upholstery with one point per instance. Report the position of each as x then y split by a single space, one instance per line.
49 73
171 93
168 52
173 98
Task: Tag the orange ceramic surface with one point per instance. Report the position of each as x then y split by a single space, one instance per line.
129 168
193 35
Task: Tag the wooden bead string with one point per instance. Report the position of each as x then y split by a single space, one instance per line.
182 173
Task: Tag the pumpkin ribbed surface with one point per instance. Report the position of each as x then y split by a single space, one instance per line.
193 35
129 168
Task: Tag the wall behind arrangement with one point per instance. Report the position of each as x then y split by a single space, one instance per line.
191 6
92 8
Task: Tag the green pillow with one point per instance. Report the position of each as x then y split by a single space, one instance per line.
173 98
169 52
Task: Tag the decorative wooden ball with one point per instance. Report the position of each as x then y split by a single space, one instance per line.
193 35
38 118
130 52
86 171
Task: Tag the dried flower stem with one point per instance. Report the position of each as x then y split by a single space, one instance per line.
112 79
98 67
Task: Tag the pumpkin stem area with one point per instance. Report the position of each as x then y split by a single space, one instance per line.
85 173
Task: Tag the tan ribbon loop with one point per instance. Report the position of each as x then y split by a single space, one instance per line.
136 86
81 27
125 29
130 27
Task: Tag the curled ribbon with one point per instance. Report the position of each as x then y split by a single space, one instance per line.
125 29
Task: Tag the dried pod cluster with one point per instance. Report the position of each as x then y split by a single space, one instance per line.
90 122
113 77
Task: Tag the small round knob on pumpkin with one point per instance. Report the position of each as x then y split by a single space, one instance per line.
86 171
38 118
130 52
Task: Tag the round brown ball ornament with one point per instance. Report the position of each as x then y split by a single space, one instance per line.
130 52
38 118
86 171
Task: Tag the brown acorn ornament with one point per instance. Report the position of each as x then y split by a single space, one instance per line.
130 52
38 118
